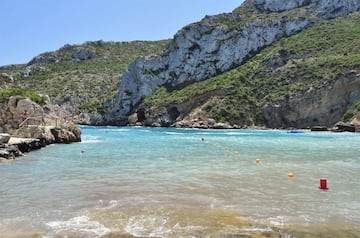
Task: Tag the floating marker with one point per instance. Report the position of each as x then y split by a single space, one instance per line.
323 184
290 175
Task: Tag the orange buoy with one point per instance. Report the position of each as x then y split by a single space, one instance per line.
323 184
290 175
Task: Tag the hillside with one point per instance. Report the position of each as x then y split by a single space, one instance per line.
277 64
268 63
82 78
303 64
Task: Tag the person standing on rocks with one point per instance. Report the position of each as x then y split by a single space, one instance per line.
26 117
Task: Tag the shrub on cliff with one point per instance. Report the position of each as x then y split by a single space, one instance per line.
6 93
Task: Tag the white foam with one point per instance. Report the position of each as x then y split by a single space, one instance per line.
257 229
147 225
90 140
81 224
277 221
173 133
187 229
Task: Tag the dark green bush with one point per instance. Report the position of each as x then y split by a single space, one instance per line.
6 93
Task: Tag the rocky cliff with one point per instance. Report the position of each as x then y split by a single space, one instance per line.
26 126
315 107
218 44
80 78
21 117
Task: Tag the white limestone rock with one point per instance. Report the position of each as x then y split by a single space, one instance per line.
200 51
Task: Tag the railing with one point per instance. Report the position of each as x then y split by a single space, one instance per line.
39 120
27 119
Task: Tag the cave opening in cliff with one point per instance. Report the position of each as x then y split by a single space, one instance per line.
141 115
173 113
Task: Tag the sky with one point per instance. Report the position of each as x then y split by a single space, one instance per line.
31 27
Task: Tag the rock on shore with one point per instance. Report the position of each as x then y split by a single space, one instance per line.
31 138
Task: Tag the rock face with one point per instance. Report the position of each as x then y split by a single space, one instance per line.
5 79
202 50
83 54
196 54
44 126
66 134
276 5
4 138
326 9
12 114
316 107
9 152
35 137
356 120
43 59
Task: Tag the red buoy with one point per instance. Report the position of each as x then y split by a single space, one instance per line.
323 183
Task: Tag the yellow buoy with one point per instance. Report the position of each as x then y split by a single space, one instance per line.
290 175
257 161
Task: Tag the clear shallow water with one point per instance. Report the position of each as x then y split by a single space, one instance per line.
170 183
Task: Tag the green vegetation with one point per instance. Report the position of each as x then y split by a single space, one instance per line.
351 112
16 91
86 83
310 60
243 16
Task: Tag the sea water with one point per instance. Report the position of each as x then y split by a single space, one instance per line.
167 182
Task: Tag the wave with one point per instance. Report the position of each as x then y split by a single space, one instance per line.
143 225
257 229
90 140
174 133
78 225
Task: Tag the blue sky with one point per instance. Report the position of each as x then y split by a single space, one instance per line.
31 27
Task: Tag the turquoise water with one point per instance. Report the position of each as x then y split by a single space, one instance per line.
181 182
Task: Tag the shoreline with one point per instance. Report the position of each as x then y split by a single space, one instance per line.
34 138
253 230
16 146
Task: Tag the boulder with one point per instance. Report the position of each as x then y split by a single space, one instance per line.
9 152
18 105
345 127
67 134
4 138
220 125
319 128
83 54
43 59
30 145
26 72
277 5
356 120
5 79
